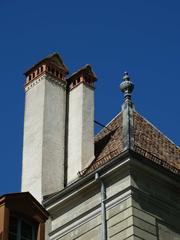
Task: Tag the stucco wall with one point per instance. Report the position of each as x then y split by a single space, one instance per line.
32 145
80 130
140 204
79 217
156 205
43 147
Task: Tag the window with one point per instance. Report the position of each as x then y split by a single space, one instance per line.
20 229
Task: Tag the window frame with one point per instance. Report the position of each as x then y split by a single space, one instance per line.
20 220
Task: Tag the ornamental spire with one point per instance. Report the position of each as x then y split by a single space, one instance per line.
127 111
127 87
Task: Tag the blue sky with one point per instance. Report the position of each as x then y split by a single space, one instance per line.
141 37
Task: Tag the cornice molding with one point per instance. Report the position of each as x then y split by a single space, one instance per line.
54 80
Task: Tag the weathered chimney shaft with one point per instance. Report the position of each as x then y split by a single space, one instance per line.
81 121
58 126
44 128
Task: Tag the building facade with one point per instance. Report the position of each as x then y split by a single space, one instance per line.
124 183
21 217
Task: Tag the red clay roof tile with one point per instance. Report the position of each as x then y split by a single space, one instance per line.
109 142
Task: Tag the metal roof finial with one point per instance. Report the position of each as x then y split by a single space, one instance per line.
127 87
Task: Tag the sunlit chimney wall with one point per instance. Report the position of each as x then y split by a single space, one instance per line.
81 121
44 128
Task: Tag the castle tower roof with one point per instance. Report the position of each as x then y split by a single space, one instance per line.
131 131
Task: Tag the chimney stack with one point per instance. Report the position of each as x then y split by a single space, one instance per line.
58 126
44 127
80 121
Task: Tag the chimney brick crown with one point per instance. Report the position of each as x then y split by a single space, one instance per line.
52 65
84 75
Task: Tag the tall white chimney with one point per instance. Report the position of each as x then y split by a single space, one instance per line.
81 121
44 128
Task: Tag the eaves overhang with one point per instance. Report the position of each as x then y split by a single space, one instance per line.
157 165
118 161
128 157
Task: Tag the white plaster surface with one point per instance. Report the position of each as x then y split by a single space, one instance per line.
80 130
43 146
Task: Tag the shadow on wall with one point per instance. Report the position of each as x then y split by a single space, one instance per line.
166 232
159 200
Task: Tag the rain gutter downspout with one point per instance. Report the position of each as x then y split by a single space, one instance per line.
103 207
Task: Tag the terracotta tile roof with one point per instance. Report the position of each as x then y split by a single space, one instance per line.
110 138
109 143
149 138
